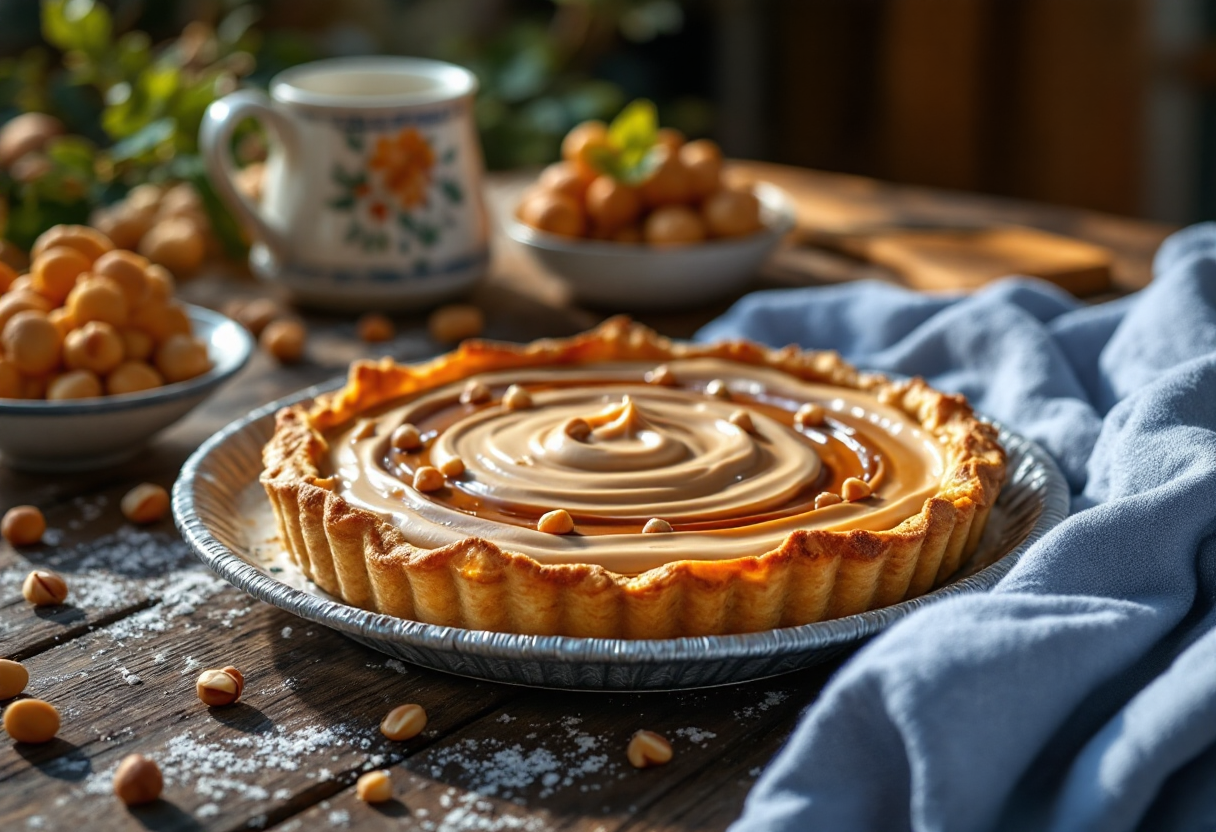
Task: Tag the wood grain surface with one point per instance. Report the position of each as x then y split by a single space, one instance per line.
120 659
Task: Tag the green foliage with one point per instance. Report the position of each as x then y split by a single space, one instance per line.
631 138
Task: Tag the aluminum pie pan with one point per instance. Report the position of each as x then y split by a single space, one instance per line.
208 510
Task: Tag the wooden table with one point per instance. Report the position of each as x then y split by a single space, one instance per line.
120 659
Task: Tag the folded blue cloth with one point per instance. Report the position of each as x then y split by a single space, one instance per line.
1081 693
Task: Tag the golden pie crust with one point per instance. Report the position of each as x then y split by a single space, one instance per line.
814 575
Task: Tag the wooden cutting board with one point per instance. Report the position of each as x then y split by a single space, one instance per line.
965 259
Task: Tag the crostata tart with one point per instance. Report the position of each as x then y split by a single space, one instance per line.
618 484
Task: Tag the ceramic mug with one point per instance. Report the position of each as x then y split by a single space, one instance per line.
372 191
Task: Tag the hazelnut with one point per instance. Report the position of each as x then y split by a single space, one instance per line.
670 138
77 384
475 392
44 588
516 398
403 722
743 421
23 525
145 503
667 184
175 243
31 720
452 467
646 748
810 415
455 322
577 429
827 498
582 143
662 376
137 345
374 787
88 241
374 328
730 213
557 521
182 357
32 343
554 213
138 780
217 688
98 299
284 340
718 389
428 478
132 377
406 438
612 204
258 314
160 283
854 489
54 272
96 346
20 300
656 525
13 678
129 271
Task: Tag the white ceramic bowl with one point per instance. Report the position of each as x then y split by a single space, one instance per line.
85 434
628 276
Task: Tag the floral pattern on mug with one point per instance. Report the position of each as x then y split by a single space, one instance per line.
395 188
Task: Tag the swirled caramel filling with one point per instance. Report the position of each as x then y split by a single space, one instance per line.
616 452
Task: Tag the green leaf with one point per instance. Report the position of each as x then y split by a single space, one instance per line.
81 25
144 141
634 131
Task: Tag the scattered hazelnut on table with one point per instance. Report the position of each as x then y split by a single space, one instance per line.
258 314
374 787
516 398
406 438
374 328
284 340
827 498
31 720
854 489
217 688
145 503
403 722
455 322
557 521
23 525
646 748
44 588
656 525
429 478
138 780
13 678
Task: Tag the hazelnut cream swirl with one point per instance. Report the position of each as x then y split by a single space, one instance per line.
667 452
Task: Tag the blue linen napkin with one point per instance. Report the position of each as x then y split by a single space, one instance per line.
1081 693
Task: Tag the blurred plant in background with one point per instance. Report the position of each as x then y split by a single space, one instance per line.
122 109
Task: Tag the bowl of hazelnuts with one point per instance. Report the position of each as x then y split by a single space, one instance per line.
96 355
635 217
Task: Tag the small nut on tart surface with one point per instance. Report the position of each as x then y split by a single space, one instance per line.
217 688
662 376
374 787
557 521
145 503
646 749
429 478
403 722
13 678
743 421
44 588
810 415
718 389
475 392
452 467
854 489
516 398
827 498
138 780
406 438
23 525
577 428
31 720
656 525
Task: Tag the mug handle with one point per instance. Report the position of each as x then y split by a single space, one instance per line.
215 142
